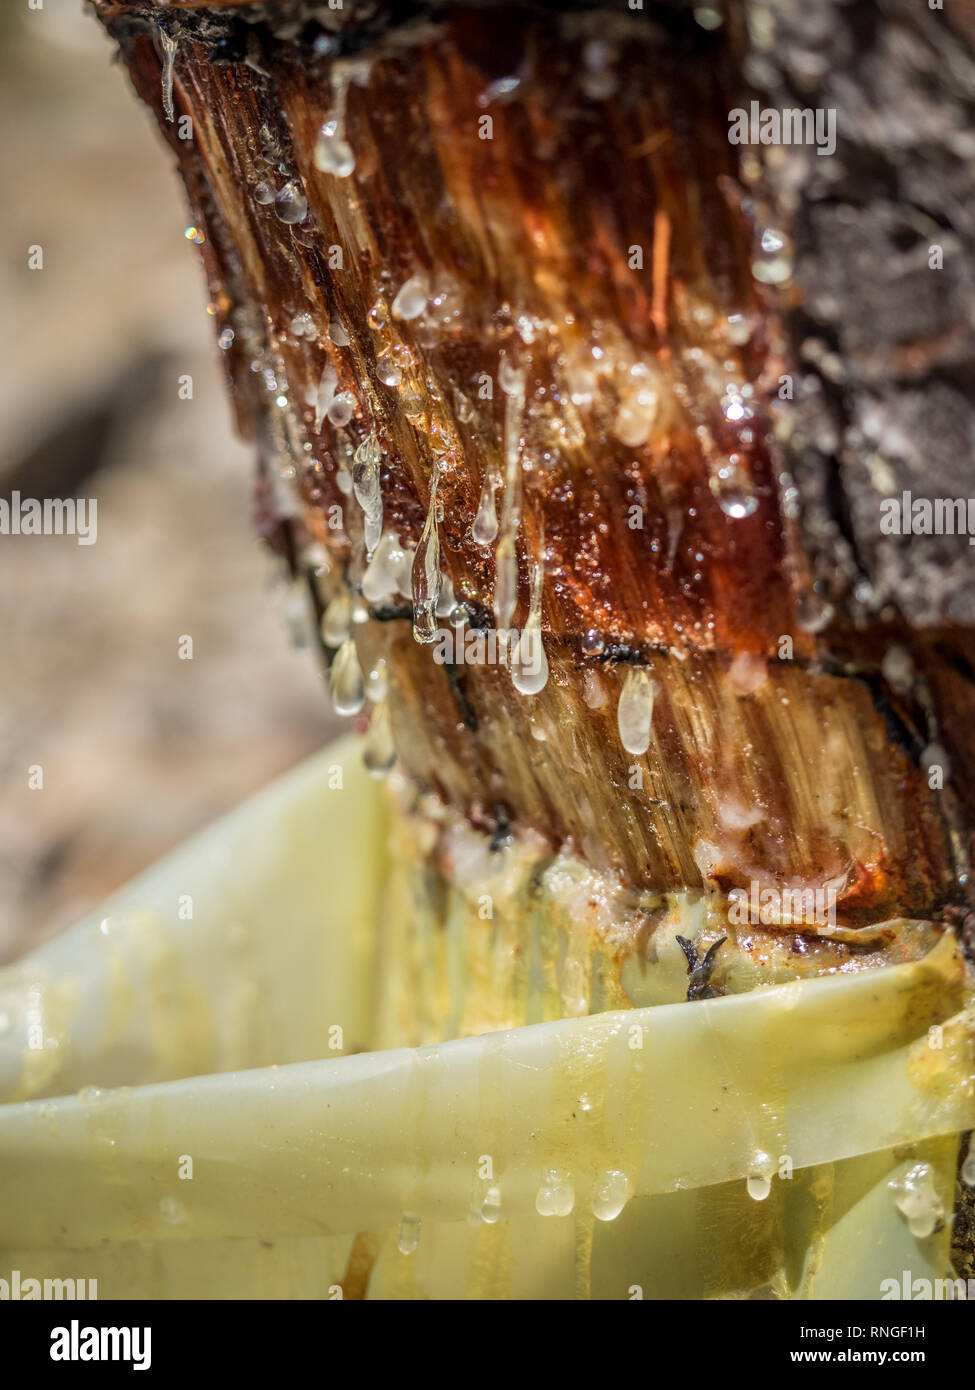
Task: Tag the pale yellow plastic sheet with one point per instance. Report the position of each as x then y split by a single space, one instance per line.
750 1140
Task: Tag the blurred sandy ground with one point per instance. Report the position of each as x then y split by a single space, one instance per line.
138 748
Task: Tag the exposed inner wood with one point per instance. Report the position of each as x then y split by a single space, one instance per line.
601 331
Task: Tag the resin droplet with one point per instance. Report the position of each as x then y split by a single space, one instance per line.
411 300
634 713
610 1194
916 1197
773 263
379 754
337 621
759 1181
325 393
387 369
529 664
491 1206
813 613
485 528
341 409
291 205
732 489
427 578
511 379
556 1195
408 1236
333 154
365 485
346 684
169 60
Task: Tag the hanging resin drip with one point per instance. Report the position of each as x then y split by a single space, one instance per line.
610 1193
380 583
529 664
485 528
379 753
332 153
634 713
427 578
408 1235
506 555
337 621
325 394
365 485
346 685
169 61
732 488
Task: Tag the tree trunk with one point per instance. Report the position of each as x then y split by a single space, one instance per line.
528 344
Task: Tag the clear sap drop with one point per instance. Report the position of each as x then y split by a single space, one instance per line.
411 299
341 409
387 369
634 714
916 1198
346 684
529 664
333 154
758 1187
291 205
610 1194
379 582
556 1195
511 379
485 528
759 1181
408 1236
427 578
337 621
324 395
732 489
365 485
813 613
773 263
491 1206
379 754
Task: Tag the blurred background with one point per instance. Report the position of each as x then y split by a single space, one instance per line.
138 748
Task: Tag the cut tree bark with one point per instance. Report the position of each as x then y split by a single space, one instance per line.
526 343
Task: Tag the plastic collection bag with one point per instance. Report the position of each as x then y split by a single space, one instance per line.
191 1107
